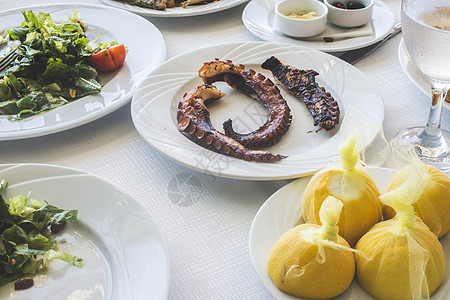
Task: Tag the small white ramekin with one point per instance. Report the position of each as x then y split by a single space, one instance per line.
301 28
349 17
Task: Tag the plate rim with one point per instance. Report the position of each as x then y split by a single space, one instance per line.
115 105
148 12
257 43
378 5
150 220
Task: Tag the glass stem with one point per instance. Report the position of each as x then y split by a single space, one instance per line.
431 136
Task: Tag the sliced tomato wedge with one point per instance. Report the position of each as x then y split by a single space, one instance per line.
109 59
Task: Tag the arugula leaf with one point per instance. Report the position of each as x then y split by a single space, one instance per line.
15 234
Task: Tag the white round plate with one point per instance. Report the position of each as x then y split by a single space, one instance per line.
146 50
282 211
124 253
416 77
258 19
154 110
189 11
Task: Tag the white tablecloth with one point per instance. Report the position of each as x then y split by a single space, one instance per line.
207 237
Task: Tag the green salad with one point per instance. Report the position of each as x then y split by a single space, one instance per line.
51 68
26 244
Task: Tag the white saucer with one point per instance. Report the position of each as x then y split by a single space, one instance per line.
258 18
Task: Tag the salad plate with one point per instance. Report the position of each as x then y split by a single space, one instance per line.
154 111
282 211
189 11
416 77
258 18
124 253
118 86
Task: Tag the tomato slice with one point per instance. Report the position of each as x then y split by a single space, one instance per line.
109 59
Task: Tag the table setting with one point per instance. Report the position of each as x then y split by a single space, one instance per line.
168 206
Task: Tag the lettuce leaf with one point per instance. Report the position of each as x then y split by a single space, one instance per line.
48 53
26 246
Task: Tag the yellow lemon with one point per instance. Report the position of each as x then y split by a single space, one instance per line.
433 203
404 263
358 192
301 266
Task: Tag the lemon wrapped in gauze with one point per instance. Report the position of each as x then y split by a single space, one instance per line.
351 183
313 261
406 260
433 202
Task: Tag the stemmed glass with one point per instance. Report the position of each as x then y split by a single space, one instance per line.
426 33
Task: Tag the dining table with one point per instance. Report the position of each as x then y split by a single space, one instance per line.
205 218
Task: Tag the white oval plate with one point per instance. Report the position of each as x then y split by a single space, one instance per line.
282 211
146 50
154 110
258 19
124 253
416 77
194 10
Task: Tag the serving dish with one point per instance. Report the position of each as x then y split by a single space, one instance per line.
300 26
349 18
118 86
154 111
282 211
124 252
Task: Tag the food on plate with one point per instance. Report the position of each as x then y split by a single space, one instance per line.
194 2
194 122
351 183
405 259
163 4
338 4
27 246
302 84
350 5
108 59
153 4
432 204
301 14
256 86
312 261
51 67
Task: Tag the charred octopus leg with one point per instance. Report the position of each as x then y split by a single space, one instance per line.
322 106
256 86
193 121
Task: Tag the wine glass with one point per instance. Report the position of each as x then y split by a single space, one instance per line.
426 33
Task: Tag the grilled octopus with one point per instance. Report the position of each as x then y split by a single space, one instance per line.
194 121
322 106
256 86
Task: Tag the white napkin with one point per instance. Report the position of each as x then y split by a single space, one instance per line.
340 33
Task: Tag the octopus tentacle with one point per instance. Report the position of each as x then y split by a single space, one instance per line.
194 121
322 106
256 86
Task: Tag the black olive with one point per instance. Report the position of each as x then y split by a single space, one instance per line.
339 5
355 5
23 283
57 227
